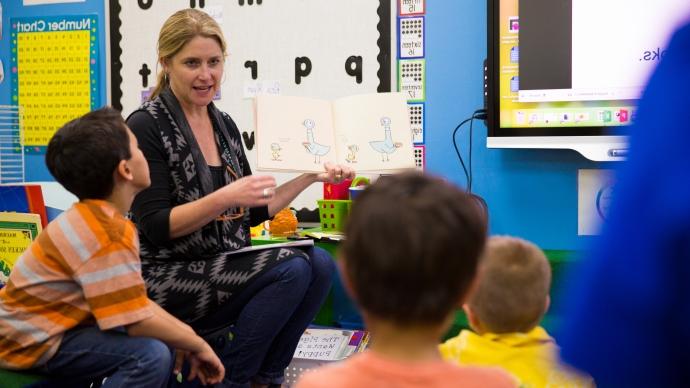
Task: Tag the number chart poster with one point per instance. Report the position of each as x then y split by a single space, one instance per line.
324 49
54 73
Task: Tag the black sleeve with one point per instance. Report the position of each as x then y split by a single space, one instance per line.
257 215
151 207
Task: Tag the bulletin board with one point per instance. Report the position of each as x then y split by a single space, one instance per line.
41 41
313 48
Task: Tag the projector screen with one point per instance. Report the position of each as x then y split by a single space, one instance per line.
568 73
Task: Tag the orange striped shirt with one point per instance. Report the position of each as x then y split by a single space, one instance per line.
83 268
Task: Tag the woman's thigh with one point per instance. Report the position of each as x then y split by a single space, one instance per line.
293 273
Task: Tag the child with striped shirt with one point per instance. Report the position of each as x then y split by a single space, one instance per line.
75 306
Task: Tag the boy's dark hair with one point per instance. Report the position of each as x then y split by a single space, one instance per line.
412 247
511 292
83 154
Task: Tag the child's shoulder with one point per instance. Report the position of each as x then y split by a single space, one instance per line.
90 226
481 377
338 375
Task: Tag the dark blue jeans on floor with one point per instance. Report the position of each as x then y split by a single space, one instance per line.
87 354
270 316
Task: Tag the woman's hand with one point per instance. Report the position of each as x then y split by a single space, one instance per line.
252 190
335 173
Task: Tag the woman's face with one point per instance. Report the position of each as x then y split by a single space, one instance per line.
195 71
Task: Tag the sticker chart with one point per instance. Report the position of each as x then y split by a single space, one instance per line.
54 73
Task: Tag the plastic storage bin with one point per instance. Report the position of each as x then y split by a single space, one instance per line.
333 214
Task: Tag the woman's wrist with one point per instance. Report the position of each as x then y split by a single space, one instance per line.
312 177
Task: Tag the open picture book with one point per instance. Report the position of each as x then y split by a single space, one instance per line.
369 132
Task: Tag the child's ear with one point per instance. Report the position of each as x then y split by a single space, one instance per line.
472 318
468 293
547 303
123 171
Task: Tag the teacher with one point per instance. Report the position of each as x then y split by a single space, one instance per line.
200 205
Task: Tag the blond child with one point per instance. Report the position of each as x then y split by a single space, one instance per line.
511 297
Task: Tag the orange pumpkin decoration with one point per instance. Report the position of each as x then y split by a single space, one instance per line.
284 223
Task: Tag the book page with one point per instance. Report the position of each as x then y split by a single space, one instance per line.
293 133
373 132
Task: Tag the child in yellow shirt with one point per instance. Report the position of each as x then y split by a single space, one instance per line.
504 311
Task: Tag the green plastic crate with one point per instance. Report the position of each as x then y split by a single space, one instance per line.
333 214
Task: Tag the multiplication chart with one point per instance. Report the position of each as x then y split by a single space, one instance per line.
54 73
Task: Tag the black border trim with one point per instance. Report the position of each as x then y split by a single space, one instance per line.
115 55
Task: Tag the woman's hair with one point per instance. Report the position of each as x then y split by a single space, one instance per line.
177 31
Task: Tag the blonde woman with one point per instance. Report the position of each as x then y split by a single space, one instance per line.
203 199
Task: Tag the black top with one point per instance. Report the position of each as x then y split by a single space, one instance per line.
154 204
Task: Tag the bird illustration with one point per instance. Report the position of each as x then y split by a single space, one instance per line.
275 151
352 153
316 149
385 146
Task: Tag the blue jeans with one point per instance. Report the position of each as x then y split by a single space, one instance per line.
270 316
88 354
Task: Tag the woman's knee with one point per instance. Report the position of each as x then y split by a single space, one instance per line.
297 270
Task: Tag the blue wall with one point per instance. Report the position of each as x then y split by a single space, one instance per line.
530 193
35 167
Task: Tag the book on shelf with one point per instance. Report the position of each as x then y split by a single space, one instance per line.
369 132
17 231
23 198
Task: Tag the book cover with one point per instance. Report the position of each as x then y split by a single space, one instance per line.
324 344
23 198
17 231
369 132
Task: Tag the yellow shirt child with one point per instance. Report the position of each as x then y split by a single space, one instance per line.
530 357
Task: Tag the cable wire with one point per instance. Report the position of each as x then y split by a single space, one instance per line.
467 168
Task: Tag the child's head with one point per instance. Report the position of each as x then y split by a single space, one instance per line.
512 293
412 248
85 153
